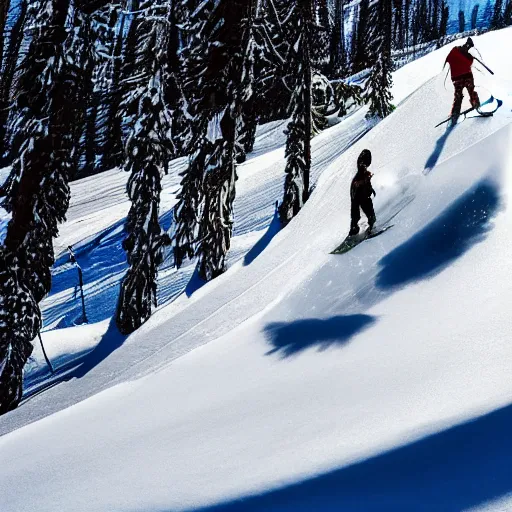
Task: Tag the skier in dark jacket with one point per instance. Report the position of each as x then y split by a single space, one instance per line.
460 61
361 191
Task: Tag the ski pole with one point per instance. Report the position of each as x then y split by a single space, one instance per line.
488 69
44 354
72 258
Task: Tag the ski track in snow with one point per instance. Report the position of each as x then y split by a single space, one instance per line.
317 381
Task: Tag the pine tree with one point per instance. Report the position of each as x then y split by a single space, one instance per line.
4 9
486 15
80 45
113 145
378 88
10 62
108 43
299 131
434 17
228 31
337 49
443 24
474 16
398 24
420 23
361 58
188 210
320 36
148 151
272 77
38 194
507 14
462 22
497 17
407 21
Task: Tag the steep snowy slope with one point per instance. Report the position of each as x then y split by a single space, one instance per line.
329 382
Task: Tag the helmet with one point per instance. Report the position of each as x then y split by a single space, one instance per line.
365 158
469 43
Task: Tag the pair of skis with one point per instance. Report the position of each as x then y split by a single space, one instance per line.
480 114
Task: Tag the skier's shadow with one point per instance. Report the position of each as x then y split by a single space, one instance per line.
436 153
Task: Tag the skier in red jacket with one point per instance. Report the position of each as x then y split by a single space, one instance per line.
460 61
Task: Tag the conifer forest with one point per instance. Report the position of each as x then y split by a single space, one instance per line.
88 86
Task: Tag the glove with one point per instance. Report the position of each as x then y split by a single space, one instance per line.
374 193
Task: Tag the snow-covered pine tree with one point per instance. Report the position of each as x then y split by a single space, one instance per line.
378 87
320 36
10 61
420 22
443 22
272 89
474 16
398 24
361 56
407 21
507 14
298 141
38 193
4 9
113 141
188 209
486 14
107 24
338 62
497 16
462 21
98 88
148 151
247 120
435 17
228 33
179 38
80 46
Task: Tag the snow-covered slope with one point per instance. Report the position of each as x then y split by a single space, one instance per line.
318 382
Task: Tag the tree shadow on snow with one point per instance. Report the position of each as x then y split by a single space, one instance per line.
462 225
456 469
109 343
272 230
103 262
289 339
195 283
438 149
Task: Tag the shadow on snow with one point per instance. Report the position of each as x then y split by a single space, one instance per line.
456 469
109 343
273 228
289 339
438 149
462 225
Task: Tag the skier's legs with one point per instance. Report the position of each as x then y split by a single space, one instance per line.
457 97
473 95
367 207
355 215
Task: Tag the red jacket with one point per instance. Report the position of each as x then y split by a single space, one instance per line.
460 62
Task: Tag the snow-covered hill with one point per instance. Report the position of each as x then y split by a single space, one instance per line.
300 380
